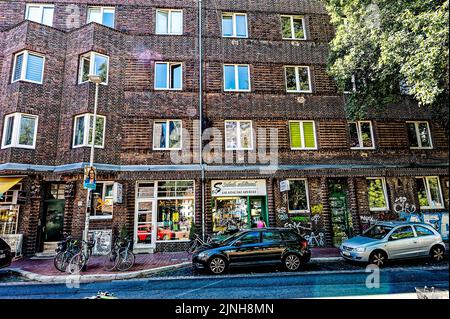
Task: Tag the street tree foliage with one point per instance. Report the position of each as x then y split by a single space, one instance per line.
392 49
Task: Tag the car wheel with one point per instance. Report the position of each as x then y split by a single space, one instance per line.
217 265
437 253
378 258
292 262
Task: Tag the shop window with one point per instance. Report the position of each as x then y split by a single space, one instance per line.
361 135
236 77
238 135
40 13
234 25
11 195
298 197
298 79
302 135
377 193
230 215
419 135
168 76
429 192
9 216
103 200
82 135
28 67
175 189
101 15
146 190
20 130
293 28
95 64
169 21
167 135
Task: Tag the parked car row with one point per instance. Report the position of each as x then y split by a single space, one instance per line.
280 246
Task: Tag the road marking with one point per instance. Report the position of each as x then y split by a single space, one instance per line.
200 288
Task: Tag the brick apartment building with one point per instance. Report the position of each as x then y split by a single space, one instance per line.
274 113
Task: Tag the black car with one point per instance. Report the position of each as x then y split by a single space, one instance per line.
5 254
261 246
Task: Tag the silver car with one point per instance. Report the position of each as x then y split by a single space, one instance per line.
394 240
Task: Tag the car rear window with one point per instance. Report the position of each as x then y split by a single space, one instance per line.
423 231
269 236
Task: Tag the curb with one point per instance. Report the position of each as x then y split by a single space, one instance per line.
71 279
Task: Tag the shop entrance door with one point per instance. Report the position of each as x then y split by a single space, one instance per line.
145 224
52 231
340 215
257 211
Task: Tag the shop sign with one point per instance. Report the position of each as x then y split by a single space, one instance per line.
117 193
284 186
246 187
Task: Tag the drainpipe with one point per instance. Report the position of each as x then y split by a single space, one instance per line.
200 111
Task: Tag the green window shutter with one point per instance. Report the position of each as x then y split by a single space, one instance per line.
308 132
294 129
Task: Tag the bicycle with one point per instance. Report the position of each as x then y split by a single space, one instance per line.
121 256
79 261
198 242
65 251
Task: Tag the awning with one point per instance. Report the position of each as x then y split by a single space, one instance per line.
7 182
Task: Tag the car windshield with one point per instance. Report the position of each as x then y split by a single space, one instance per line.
377 231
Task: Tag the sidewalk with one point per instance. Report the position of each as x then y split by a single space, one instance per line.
43 270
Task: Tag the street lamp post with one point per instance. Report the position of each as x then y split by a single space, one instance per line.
97 80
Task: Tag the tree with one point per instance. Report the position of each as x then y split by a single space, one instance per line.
393 49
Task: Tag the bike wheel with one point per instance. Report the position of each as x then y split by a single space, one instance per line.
76 263
125 260
62 260
110 261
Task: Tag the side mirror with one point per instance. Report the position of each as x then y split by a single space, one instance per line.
238 243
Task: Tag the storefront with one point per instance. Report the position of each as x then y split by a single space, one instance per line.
238 204
165 212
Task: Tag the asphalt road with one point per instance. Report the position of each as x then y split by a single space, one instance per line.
306 284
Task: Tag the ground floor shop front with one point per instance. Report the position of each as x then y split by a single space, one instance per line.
162 210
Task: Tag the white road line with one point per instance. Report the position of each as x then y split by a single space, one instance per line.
200 288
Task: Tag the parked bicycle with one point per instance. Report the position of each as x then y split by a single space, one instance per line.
79 261
65 250
121 256
198 242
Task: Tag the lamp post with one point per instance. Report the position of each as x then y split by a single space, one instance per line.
97 80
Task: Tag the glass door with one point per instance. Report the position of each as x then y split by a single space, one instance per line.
145 223
340 216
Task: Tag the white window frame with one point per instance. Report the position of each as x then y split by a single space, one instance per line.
23 71
302 135
234 26
87 121
236 78
102 9
167 148
41 9
238 136
169 21
427 190
297 78
419 141
16 130
358 131
307 197
91 55
167 88
292 17
105 184
386 199
15 195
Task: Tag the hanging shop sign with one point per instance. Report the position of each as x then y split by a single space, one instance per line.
117 193
246 187
284 186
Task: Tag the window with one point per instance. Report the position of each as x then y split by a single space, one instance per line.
293 28
167 135
20 130
40 13
423 231
11 195
238 135
234 25
28 67
236 77
429 192
302 135
9 217
298 198
402 232
271 236
298 79
82 135
419 135
169 21
361 135
250 238
93 63
168 76
101 15
103 200
377 194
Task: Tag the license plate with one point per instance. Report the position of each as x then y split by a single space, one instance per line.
346 253
2 256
